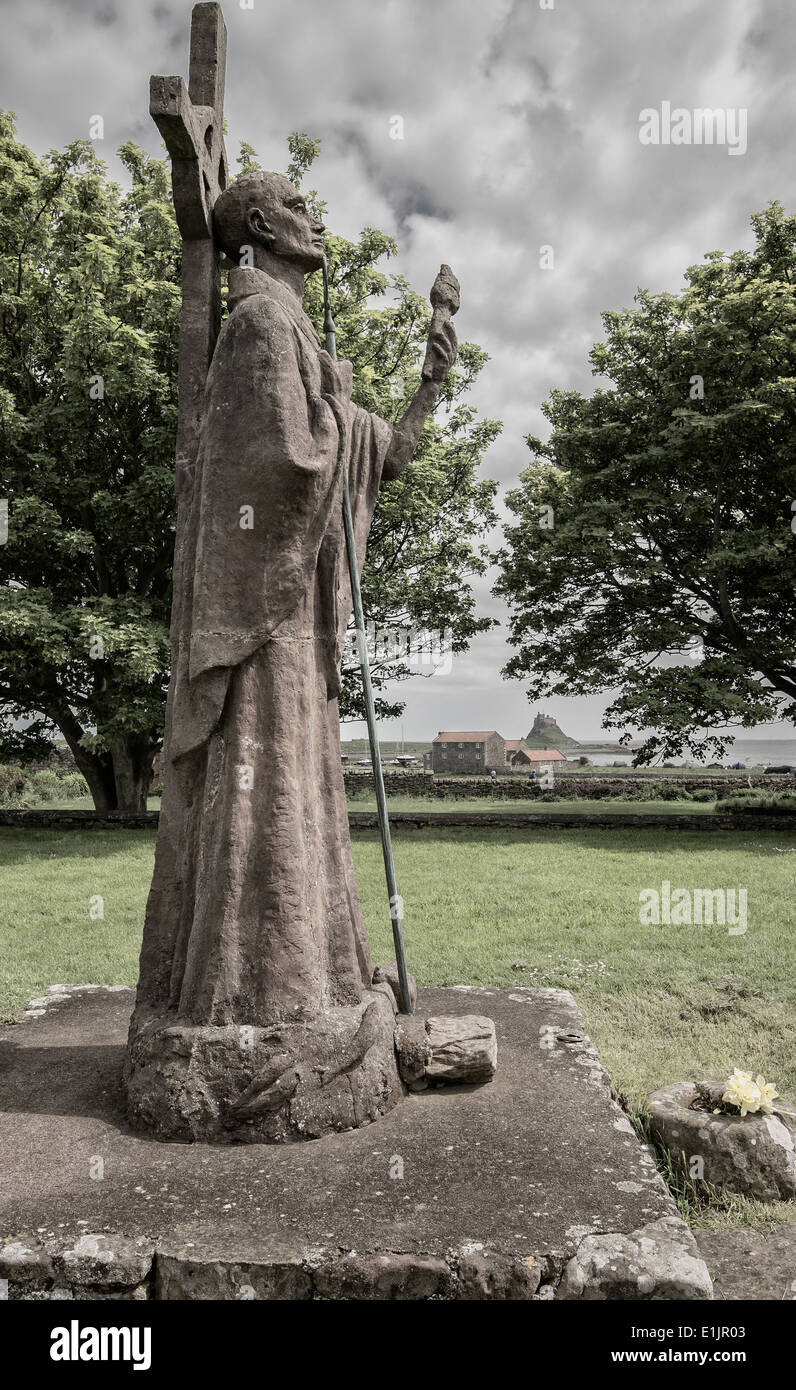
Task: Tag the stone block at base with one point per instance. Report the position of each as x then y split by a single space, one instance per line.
530 1187
661 1260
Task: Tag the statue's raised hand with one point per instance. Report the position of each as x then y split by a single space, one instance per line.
440 357
442 341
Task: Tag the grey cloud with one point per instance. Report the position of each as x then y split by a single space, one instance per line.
521 129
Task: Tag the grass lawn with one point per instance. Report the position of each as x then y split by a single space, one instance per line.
81 803
514 907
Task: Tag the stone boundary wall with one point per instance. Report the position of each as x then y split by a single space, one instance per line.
416 820
589 788
571 820
435 788
399 783
36 818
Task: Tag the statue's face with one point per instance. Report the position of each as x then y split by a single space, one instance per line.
283 222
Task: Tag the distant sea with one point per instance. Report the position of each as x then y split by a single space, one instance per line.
763 750
743 750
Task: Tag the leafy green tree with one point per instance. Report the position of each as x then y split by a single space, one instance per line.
89 300
652 552
88 304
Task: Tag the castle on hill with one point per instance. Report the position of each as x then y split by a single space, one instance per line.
546 734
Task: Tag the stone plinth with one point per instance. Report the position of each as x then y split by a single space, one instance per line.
533 1186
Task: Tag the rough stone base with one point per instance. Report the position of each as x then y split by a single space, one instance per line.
754 1155
264 1085
533 1186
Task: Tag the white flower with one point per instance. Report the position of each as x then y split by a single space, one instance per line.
748 1095
768 1094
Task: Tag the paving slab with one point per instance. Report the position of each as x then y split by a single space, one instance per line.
533 1185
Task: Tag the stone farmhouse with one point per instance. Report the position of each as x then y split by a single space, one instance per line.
483 750
468 751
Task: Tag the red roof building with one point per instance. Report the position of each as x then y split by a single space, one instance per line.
518 754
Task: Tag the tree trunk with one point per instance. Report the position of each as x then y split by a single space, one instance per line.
132 771
118 779
97 770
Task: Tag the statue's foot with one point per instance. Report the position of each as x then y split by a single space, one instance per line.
264 1085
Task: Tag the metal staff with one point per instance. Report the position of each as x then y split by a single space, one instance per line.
330 334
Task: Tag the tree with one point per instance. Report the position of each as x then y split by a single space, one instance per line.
89 300
88 303
653 548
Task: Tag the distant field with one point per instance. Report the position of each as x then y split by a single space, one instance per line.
481 803
663 773
360 748
519 805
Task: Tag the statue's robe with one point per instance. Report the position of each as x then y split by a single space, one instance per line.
253 916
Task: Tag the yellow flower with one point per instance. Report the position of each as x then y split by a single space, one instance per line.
748 1095
768 1094
741 1092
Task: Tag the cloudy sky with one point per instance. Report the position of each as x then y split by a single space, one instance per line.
521 129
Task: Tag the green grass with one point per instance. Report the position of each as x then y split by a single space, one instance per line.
78 803
502 907
769 803
47 882
663 1003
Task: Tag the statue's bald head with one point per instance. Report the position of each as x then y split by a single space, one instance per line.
264 209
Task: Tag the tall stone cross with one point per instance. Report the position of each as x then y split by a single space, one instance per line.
190 119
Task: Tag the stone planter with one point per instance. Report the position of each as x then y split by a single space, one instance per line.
754 1156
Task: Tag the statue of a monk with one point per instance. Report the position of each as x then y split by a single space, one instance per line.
256 1015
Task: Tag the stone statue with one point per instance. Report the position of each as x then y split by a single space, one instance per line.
256 1016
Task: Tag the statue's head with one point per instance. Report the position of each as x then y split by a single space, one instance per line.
262 209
